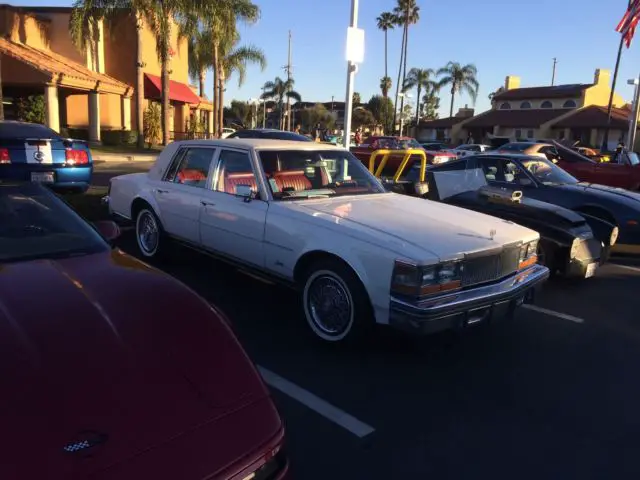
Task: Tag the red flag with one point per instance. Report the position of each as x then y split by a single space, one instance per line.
629 22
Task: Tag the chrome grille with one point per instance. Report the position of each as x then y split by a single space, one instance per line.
588 249
490 267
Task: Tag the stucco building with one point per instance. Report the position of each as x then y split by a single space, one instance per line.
563 112
92 90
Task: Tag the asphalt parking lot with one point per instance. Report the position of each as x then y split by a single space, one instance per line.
553 394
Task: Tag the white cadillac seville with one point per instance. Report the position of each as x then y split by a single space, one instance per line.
313 216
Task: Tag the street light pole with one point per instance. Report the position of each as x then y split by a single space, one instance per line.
351 72
633 121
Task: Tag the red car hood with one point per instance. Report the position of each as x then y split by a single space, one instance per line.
105 359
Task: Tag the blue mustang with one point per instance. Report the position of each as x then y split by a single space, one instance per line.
34 152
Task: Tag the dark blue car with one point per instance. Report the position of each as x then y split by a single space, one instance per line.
34 152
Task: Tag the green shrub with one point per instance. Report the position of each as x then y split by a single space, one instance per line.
152 123
31 109
78 133
111 137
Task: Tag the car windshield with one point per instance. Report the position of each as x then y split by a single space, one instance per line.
36 224
547 172
459 179
301 174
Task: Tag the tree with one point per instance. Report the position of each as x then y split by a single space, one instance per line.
385 86
234 59
422 79
278 90
31 109
386 22
430 105
362 118
310 117
356 98
498 91
382 109
461 79
152 123
406 13
200 55
242 111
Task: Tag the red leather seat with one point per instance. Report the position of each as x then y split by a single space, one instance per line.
295 179
191 175
232 180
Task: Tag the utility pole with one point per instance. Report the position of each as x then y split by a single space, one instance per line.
332 97
264 108
351 73
553 75
288 70
633 121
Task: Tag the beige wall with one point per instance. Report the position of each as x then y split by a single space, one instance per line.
110 112
537 103
60 39
24 28
78 111
18 73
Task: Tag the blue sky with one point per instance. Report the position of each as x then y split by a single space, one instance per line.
515 37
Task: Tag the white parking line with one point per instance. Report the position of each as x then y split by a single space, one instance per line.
316 404
626 267
553 313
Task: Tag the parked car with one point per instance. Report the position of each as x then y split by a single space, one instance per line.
570 244
534 149
470 149
622 170
365 149
34 152
272 134
311 216
226 131
435 146
113 369
541 179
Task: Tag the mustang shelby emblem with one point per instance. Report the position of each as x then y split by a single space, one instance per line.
38 155
492 233
85 441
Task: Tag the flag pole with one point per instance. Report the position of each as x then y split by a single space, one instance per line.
605 140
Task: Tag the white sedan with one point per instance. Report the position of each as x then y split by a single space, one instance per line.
311 215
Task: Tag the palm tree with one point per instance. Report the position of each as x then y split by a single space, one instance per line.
406 13
356 98
235 59
82 26
279 90
200 40
461 79
385 86
421 78
386 22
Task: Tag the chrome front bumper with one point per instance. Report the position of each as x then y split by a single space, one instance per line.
467 307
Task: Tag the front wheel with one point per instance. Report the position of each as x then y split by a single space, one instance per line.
148 233
336 304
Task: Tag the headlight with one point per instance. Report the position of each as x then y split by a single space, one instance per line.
614 236
417 281
575 246
528 254
421 188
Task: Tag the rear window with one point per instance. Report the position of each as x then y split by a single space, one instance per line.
285 136
11 131
515 147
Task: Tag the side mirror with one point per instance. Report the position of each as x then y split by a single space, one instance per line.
108 229
246 192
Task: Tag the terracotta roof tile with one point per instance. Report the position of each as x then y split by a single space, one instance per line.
558 91
596 117
515 118
53 63
447 122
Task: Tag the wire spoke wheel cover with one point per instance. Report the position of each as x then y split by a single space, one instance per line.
328 305
147 233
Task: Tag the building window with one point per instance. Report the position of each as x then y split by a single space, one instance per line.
529 133
505 106
546 104
525 105
518 134
569 104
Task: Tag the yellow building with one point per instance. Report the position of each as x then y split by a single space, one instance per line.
572 112
90 91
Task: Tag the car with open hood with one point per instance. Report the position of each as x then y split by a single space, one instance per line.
311 216
113 369
541 179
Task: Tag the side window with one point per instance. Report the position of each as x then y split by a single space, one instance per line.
492 169
190 167
234 169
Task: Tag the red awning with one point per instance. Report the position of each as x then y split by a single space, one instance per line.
178 92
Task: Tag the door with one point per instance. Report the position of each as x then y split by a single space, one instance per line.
614 174
178 193
229 224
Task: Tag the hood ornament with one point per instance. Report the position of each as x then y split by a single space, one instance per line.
492 233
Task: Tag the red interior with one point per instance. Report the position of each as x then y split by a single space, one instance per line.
295 179
232 180
191 175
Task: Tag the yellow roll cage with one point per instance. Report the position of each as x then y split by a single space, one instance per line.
406 155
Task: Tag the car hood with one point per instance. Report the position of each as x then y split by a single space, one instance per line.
603 191
440 230
105 358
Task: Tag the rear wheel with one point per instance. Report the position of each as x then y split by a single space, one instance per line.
336 304
148 233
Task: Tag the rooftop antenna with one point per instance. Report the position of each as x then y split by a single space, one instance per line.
289 69
553 75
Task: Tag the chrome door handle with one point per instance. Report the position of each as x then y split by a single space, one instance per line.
159 190
207 204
